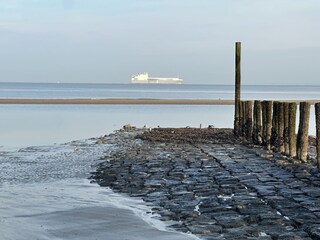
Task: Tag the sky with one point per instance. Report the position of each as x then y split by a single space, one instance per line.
107 41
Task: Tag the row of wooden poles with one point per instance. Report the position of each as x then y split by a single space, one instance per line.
273 125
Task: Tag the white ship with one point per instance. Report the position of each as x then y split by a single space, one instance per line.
144 78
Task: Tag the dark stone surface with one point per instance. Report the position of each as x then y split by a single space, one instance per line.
214 187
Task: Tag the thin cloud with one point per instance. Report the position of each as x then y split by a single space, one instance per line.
9 4
68 4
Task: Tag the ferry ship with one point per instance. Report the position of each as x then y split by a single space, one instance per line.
144 78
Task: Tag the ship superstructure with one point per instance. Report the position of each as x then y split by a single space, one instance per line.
144 78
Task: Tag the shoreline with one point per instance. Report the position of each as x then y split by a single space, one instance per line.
59 202
213 185
123 101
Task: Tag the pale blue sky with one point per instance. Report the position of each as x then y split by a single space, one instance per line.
109 40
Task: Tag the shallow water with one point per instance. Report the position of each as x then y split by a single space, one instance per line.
27 125
42 187
43 190
75 209
45 194
162 91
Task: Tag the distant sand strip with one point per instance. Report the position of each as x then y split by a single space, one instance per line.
117 101
136 101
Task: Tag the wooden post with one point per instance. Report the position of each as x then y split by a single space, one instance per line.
248 133
257 129
274 131
240 127
244 120
237 87
280 127
286 128
317 110
268 123
259 124
292 129
299 131
264 122
254 126
303 137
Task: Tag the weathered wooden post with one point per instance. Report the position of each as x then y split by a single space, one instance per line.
248 133
257 129
274 131
317 110
286 128
259 123
264 122
280 147
292 129
240 119
303 137
268 123
237 88
254 122
244 120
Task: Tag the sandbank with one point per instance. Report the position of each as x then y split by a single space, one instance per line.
116 101
134 101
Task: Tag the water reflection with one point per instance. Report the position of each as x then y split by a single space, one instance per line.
28 125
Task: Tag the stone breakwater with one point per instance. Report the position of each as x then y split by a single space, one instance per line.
213 186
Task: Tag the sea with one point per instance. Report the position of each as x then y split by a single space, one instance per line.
28 125
44 188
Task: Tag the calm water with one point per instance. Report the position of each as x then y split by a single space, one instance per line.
25 125
43 191
44 194
183 91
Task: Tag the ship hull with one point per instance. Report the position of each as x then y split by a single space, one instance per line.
143 78
157 81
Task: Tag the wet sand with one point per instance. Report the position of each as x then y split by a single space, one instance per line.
104 223
73 210
45 194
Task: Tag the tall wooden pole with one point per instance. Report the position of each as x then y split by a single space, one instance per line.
237 88
317 109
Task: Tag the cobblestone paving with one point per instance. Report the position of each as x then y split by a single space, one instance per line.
217 191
